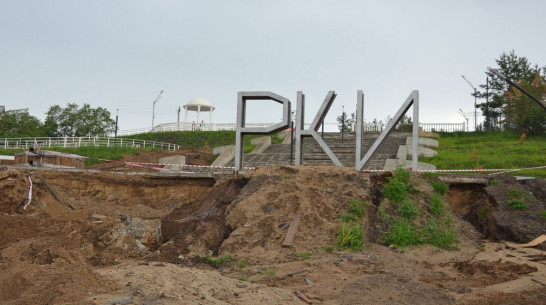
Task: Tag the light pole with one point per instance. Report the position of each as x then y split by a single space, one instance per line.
153 110
116 135
464 116
475 93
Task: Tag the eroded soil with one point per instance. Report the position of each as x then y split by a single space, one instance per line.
98 238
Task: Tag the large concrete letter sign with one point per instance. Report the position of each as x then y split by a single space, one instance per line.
413 99
242 98
312 131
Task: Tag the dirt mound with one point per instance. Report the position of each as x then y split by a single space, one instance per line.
99 238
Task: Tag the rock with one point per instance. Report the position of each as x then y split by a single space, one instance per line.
241 285
148 232
308 281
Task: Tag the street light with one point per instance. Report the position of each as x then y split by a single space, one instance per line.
153 111
465 117
475 93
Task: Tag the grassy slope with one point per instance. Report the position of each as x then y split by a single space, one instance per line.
490 150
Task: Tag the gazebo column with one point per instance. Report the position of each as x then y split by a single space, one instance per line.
198 111
186 115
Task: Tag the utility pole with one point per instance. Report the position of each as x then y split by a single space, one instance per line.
116 133
178 119
153 110
475 93
497 73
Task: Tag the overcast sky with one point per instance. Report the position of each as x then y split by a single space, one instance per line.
119 54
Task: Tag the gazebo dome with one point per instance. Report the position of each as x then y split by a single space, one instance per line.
199 104
199 101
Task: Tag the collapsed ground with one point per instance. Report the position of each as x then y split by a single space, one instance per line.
98 238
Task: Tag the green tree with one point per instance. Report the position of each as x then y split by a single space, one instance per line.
515 68
73 121
19 123
523 114
344 122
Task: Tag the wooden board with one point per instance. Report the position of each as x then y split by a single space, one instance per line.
291 231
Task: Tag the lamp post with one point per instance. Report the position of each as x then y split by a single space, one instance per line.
153 110
116 134
475 93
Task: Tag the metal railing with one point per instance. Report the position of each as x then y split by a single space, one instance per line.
443 127
71 142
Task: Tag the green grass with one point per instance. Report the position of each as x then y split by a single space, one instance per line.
542 214
242 264
201 139
440 237
303 255
517 204
396 190
350 236
329 249
495 182
92 152
439 187
402 175
402 233
357 208
437 205
215 262
407 209
490 150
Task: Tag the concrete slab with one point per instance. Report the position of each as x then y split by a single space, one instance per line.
423 142
402 153
175 161
262 144
422 151
228 153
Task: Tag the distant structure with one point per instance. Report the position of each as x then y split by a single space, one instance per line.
2 109
199 104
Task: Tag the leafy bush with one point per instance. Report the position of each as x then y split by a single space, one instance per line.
402 233
357 208
437 206
396 190
408 209
350 236
517 204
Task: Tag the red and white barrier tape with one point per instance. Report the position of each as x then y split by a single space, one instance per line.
152 165
479 170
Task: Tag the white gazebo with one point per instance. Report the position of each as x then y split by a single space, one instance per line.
199 104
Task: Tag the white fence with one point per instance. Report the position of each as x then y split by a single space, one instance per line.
443 127
18 143
329 127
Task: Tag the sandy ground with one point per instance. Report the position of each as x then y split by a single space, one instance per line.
113 239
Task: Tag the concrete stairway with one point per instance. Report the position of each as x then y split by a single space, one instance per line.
343 149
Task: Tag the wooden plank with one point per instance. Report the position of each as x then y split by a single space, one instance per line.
303 297
291 231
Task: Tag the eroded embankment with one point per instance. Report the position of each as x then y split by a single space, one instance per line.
504 210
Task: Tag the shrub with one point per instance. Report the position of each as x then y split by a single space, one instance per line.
437 205
350 236
542 214
517 204
396 190
348 217
408 209
242 264
402 233
495 182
